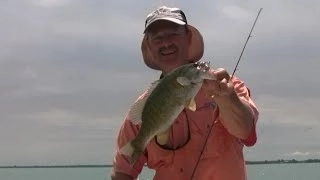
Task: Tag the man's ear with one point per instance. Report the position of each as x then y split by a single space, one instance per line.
145 47
147 41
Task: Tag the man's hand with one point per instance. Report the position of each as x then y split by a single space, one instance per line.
222 86
235 113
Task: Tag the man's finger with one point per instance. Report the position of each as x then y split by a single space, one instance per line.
221 74
224 86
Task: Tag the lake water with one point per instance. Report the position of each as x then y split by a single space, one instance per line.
309 171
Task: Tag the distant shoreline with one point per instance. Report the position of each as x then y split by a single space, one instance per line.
281 161
58 166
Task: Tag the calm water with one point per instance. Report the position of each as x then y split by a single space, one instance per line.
255 172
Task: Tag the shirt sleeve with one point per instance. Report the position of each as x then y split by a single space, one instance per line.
244 93
120 163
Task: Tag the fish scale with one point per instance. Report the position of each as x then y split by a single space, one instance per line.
156 111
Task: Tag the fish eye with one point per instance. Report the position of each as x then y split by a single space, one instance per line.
196 64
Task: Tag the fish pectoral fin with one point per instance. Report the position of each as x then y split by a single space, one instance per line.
191 104
163 138
183 81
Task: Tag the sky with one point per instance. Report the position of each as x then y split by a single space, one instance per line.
70 69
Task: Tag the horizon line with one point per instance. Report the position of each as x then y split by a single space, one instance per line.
278 161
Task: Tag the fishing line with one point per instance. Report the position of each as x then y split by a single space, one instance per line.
194 170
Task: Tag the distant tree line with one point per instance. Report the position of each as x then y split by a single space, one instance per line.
282 161
279 161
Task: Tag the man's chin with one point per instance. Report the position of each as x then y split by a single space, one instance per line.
169 64
170 58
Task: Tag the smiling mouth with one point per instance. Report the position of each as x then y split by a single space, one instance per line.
168 52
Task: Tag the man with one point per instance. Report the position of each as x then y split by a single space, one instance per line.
225 113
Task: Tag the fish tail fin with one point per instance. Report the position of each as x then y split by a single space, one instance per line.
132 152
134 157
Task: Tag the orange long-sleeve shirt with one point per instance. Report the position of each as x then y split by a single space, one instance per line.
222 158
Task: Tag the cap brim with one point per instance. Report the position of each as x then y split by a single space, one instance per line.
174 20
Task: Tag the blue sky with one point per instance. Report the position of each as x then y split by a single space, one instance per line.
69 71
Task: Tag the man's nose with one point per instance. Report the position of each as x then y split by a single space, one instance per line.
165 42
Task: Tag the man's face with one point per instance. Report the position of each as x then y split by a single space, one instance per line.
169 44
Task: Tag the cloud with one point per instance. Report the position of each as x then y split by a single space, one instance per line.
279 140
50 3
69 71
300 154
283 110
237 13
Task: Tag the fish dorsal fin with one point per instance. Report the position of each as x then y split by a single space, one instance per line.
183 81
191 104
135 112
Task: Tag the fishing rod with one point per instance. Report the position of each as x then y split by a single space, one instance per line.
194 170
246 43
